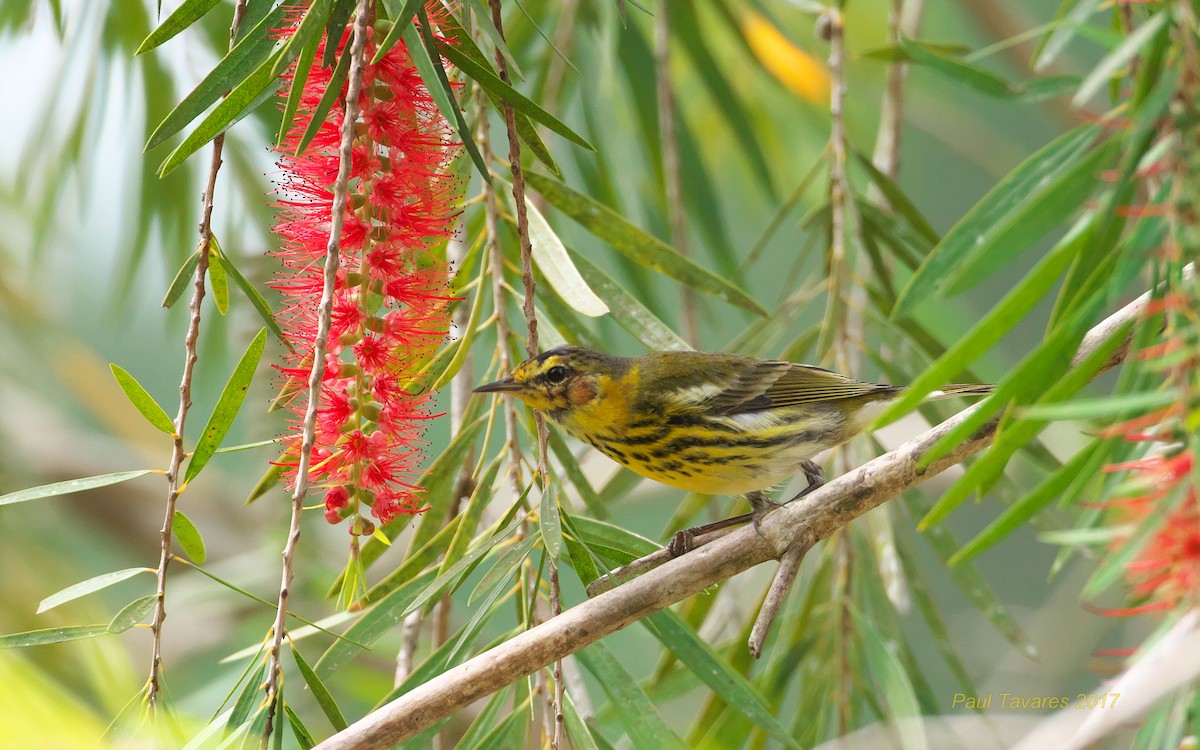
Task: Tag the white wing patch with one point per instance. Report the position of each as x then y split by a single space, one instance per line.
697 394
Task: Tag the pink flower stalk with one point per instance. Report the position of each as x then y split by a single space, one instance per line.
391 296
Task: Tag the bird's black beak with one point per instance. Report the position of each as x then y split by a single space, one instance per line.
507 385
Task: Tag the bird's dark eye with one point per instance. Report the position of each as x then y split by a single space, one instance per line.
556 374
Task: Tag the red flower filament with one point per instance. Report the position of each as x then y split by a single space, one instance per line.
390 300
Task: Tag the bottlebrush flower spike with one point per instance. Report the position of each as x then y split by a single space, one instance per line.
391 294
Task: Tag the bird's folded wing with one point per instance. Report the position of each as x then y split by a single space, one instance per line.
774 385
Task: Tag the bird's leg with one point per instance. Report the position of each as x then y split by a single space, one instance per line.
815 476
683 542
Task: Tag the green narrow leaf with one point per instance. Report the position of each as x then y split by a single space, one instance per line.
182 277
72 485
492 83
256 299
324 698
189 538
990 466
1016 515
998 216
698 656
581 557
1071 16
483 18
307 33
304 66
89 586
968 578
238 63
304 738
373 624
948 65
992 327
242 100
551 257
1119 58
51 635
142 400
334 91
628 313
638 246
1097 408
685 27
132 614
467 336
228 405
247 699
182 17
550 524
504 566
429 66
219 282
902 703
400 18
921 594
438 483
637 713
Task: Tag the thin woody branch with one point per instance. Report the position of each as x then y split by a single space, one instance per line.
341 191
813 518
153 684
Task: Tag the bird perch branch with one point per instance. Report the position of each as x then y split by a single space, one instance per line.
812 518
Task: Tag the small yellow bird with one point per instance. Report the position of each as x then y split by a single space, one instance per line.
720 424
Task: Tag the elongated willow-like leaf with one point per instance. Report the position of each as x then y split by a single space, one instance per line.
132 614
989 468
1054 202
685 28
260 304
142 400
1071 15
1119 57
1000 215
637 245
492 83
182 17
638 714
1016 515
189 539
994 324
242 100
552 258
324 698
968 578
91 585
250 51
182 277
219 282
429 66
238 63
698 656
880 657
72 485
228 406
630 314
51 635
374 623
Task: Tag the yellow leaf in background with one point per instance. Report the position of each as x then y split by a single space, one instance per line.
793 67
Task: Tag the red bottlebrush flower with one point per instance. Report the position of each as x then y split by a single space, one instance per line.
391 295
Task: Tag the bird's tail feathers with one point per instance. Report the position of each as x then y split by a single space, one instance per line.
957 390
